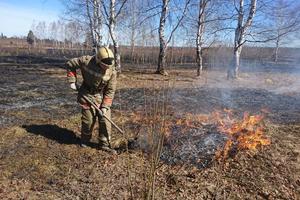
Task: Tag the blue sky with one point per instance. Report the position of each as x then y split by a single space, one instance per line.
18 15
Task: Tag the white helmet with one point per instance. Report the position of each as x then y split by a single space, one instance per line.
105 57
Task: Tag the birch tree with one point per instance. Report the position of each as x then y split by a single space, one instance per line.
243 24
285 20
200 32
133 25
53 32
163 40
93 10
210 22
208 25
88 14
40 33
112 10
73 33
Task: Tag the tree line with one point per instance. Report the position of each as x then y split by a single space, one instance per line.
201 24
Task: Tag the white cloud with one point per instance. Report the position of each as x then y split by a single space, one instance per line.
16 21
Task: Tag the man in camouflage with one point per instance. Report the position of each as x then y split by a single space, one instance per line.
99 85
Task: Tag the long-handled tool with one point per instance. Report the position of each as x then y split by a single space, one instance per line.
102 114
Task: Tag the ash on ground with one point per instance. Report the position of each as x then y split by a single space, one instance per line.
194 146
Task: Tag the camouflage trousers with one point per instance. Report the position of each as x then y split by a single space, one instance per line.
89 118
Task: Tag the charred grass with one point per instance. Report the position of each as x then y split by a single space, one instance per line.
40 123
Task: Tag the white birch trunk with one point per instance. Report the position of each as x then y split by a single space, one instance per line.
162 40
277 46
199 38
91 24
239 37
95 22
112 25
133 29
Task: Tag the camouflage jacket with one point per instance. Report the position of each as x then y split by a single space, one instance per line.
97 82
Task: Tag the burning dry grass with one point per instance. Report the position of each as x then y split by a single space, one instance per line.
195 144
245 134
222 130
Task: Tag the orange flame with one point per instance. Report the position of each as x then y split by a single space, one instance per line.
247 133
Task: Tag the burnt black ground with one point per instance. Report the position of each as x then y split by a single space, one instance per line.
40 121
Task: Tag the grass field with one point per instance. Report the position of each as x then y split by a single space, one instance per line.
40 125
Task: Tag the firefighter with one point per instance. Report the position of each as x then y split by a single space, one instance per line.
99 85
